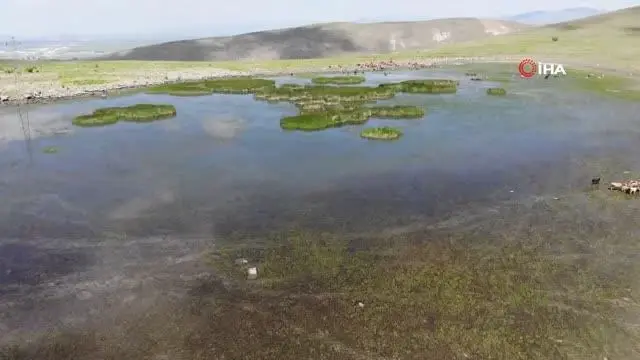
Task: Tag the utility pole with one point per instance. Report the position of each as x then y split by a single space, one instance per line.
21 110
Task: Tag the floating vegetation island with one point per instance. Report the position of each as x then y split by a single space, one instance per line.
381 133
240 85
338 80
134 113
496 91
430 86
397 112
321 105
325 120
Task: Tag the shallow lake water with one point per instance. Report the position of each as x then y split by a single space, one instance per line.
122 204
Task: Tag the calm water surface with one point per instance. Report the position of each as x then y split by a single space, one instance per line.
223 163
224 168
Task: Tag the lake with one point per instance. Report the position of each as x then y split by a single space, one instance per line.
119 211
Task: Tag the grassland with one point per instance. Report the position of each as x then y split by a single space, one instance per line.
604 44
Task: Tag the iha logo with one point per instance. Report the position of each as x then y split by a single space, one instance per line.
528 68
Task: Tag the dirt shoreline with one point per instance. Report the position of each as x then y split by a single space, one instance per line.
58 94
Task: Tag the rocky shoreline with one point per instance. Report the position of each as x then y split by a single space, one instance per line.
59 93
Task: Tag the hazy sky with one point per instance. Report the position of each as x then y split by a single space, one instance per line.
27 18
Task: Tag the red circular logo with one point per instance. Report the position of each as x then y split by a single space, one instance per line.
527 68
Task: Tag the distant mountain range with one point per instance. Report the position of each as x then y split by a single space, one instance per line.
319 40
550 17
325 40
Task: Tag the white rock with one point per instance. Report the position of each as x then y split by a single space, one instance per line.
252 273
242 261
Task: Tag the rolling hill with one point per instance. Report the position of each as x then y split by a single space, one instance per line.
550 17
325 40
610 40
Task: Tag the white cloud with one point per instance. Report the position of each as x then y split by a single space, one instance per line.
223 127
42 122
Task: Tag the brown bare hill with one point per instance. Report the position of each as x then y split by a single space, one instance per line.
325 40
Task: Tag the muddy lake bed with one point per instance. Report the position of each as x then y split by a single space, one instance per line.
117 216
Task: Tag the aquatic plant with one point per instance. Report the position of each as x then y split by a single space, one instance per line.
319 297
240 85
327 94
437 299
426 86
429 86
339 80
496 91
50 150
196 88
381 133
291 86
397 111
134 113
324 120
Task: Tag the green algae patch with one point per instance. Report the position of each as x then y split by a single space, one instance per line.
134 113
405 297
314 106
181 89
381 133
325 120
430 86
291 86
496 91
436 299
427 86
335 93
338 80
397 112
241 85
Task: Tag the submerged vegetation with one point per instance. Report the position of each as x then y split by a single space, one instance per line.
318 297
134 113
338 80
440 300
496 91
381 133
